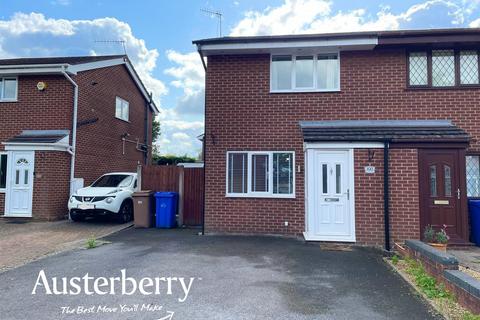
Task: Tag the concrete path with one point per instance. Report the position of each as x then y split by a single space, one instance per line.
234 278
468 258
23 242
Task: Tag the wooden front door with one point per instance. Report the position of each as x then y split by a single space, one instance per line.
443 192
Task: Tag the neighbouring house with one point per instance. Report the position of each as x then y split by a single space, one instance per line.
64 122
299 130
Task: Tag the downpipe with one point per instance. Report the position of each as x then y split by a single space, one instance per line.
386 194
71 149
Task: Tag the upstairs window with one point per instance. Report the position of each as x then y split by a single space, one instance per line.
260 174
121 109
443 68
305 73
8 89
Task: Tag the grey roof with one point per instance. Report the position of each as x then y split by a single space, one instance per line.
57 60
450 32
40 136
383 130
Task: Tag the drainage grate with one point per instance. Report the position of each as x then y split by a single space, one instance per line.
335 247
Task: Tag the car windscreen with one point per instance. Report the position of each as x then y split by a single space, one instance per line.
113 181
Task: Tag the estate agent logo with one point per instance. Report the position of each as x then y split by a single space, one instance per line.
124 285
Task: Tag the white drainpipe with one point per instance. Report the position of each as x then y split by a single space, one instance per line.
72 149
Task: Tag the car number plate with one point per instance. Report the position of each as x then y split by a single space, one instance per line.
86 206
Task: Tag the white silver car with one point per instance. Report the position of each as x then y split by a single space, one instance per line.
109 195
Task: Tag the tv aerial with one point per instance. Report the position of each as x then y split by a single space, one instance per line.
216 14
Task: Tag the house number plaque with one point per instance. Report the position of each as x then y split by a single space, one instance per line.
369 169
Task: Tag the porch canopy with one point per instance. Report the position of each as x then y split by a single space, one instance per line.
393 131
41 140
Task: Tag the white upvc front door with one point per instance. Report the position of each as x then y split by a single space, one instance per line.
19 193
330 195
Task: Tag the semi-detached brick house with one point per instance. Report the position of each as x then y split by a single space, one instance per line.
90 114
300 128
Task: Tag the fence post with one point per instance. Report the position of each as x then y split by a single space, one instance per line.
181 172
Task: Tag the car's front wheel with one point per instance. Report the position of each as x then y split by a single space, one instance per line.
125 214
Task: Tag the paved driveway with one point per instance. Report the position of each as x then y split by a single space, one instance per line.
26 241
235 278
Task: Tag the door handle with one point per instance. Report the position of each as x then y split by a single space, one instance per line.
348 194
458 193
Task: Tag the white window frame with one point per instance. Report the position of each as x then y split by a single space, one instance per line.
123 102
4 190
250 193
2 88
315 76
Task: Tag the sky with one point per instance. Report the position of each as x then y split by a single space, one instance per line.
158 38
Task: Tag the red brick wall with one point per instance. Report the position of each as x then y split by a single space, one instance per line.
51 185
404 197
2 202
99 145
369 211
241 114
50 109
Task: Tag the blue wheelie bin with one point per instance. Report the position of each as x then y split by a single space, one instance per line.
474 211
166 209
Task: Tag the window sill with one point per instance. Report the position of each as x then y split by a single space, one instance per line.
8 100
472 87
127 121
305 91
265 196
3 190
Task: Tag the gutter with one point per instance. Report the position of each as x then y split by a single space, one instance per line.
72 149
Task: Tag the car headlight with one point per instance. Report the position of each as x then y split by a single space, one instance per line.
109 200
71 199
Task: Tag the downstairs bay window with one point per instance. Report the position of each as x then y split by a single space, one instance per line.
261 174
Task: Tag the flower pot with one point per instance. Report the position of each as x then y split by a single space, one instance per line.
439 246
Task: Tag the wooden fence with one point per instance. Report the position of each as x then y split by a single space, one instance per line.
161 178
188 182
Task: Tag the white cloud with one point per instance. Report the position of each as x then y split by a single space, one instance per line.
316 16
189 76
180 136
35 35
183 125
475 23
61 2
293 16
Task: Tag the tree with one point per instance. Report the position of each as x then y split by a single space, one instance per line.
155 130
155 135
173 159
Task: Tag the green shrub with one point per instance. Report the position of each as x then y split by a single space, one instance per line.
427 284
395 259
429 234
92 243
